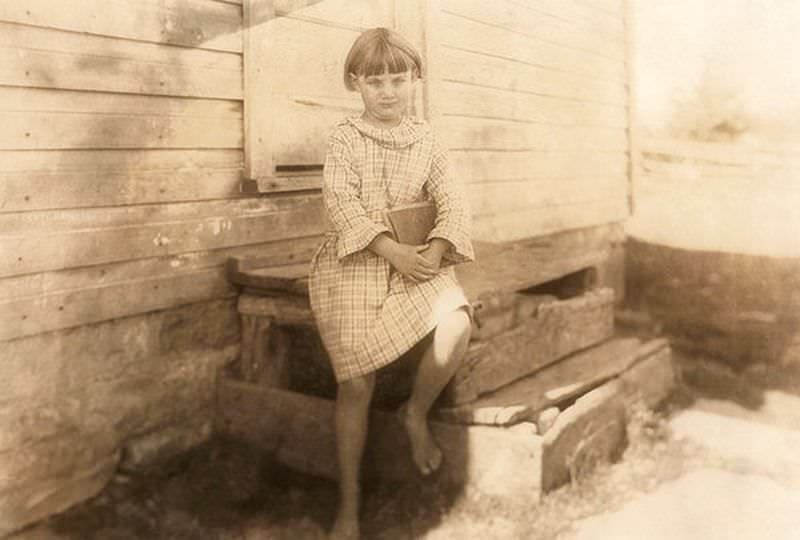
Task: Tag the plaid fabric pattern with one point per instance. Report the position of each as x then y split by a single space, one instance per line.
368 314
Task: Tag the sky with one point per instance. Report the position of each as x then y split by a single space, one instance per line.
750 46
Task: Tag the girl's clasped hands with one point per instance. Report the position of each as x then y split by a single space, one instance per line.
417 263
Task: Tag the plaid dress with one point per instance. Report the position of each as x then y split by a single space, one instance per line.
368 314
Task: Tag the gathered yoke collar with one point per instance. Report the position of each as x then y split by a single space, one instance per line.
407 132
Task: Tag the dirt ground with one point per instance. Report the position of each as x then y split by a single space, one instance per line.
222 491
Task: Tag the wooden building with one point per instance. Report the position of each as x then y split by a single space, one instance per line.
143 142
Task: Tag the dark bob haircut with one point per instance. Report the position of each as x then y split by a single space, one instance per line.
379 49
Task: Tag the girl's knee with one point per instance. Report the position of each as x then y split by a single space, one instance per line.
458 324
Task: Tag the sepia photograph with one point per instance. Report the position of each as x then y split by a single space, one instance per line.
399 270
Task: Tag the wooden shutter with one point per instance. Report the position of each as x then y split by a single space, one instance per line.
294 51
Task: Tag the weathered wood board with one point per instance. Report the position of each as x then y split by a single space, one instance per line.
555 330
554 385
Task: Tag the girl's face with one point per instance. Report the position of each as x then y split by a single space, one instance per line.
386 97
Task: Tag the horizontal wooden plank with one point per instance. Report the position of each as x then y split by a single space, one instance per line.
39 119
354 14
209 25
468 100
724 153
41 180
71 298
506 74
33 286
528 223
538 25
532 195
64 60
575 13
555 385
462 133
25 317
475 166
466 34
281 183
35 246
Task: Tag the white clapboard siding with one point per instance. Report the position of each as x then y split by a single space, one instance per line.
51 240
46 58
294 92
468 100
42 180
475 166
190 23
538 25
513 196
506 74
489 134
356 15
534 109
576 13
467 34
54 300
52 119
527 223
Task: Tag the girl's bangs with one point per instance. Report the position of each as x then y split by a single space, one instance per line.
383 57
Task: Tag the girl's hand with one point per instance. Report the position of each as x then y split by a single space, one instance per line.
433 255
411 263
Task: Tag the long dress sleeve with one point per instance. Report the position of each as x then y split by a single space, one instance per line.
341 193
452 214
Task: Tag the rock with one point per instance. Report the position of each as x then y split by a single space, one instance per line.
592 430
546 419
149 450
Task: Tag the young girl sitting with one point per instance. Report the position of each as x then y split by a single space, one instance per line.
374 298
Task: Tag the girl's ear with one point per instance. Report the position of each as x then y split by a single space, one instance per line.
353 79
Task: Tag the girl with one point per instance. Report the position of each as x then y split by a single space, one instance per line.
374 298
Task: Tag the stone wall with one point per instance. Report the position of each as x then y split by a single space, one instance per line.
741 309
78 404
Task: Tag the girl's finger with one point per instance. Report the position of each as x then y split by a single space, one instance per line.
422 261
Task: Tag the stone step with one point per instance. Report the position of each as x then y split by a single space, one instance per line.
297 430
552 331
554 385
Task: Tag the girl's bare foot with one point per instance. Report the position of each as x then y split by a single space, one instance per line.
424 451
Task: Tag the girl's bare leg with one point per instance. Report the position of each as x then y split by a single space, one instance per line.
437 366
352 409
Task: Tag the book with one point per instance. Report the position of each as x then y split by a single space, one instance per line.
411 223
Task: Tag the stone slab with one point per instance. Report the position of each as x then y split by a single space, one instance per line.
557 383
652 379
298 431
555 330
591 431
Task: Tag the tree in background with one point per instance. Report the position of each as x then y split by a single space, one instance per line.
714 111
